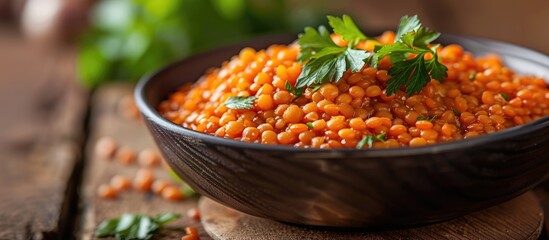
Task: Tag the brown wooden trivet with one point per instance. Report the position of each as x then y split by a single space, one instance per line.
521 218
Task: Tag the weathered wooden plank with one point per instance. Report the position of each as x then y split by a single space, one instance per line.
41 124
106 121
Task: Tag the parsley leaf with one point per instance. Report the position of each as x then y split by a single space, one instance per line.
166 218
345 27
294 91
355 59
410 73
324 60
370 140
472 76
406 25
424 36
411 32
320 69
310 125
436 69
397 52
505 96
415 73
330 67
430 119
240 102
107 228
133 226
313 41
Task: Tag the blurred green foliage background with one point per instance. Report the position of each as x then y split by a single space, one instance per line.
128 38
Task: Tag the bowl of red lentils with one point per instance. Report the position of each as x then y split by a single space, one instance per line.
347 153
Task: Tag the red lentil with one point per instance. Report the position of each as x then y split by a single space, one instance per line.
193 214
172 193
106 191
126 155
143 179
120 182
148 158
106 147
159 185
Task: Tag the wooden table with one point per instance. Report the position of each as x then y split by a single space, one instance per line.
49 125
49 172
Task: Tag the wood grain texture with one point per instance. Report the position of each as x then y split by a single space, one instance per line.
41 127
520 218
542 193
106 121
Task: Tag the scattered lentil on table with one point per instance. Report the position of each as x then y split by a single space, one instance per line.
120 183
192 234
126 155
148 158
144 180
106 147
193 214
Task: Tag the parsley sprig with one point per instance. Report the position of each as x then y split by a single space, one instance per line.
133 226
324 61
413 73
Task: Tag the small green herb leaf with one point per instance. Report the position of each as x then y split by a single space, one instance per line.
505 96
345 27
240 102
321 69
107 228
166 218
424 37
370 140
472 76
133 226
330 68
436 69
295 91
406 25
310 125
316 87
412 33
126 222
397 52
355 59
313 41
146 228
430 119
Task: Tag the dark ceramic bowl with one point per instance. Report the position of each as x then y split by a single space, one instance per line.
350 187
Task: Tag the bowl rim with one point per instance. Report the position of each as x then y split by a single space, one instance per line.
150 113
